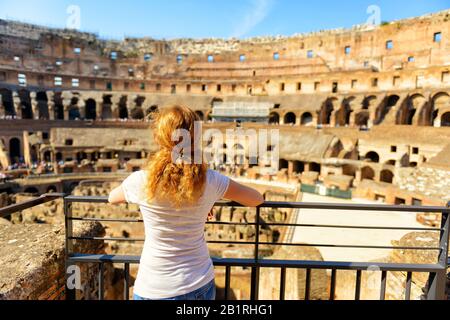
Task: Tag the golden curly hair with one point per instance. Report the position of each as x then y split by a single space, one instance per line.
176 181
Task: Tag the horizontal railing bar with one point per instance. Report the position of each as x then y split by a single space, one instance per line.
349 227
326 245
231 223
7 211
106 220
337 206
107 239
269 244
302 205
89 199
140 221
271 224
97 258
263 263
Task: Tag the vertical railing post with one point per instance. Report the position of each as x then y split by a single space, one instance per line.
70 291
254 292
438 280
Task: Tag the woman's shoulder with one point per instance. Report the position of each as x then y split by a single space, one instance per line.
217 182
137 177
213 175
134 186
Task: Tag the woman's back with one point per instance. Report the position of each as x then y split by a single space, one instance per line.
175 259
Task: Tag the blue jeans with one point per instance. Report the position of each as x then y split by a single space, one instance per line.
207 292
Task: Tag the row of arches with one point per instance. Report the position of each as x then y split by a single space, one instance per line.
367 173
413 110
291 118
374 157
93 109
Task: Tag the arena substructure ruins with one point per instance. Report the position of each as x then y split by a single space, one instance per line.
361 113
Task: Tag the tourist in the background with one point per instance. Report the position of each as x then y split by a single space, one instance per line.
175 199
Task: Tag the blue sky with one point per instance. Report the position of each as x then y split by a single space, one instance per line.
211 18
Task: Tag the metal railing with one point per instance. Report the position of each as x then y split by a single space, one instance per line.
437 271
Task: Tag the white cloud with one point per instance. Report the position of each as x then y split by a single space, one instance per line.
259 11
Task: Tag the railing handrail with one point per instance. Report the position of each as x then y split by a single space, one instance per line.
273 263
300 205
8 210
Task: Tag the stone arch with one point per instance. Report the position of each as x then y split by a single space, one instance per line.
445 119
137 113
123 110
8 102
52 189
367 173
31 190
47 156
440 105
362 119
369 103
74 113
408 110
290 118
74 110
58 157
151 111
59 106
91 109
306 119
274 118
15 150
25 102
391 162
387 176
107 107
327 110
298 167
349 170
388 103
200 114
81 156
42 104
283 164
315 167
372 156
344 113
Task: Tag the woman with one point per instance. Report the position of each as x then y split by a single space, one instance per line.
175 199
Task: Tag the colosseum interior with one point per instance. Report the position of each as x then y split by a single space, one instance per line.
363 115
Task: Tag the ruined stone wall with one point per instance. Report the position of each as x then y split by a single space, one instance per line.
396 281
32 260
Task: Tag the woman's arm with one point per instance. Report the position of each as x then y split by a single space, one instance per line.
243 195
117 196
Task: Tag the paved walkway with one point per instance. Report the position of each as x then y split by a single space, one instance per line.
351 236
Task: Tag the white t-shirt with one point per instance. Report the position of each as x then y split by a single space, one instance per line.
175 258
